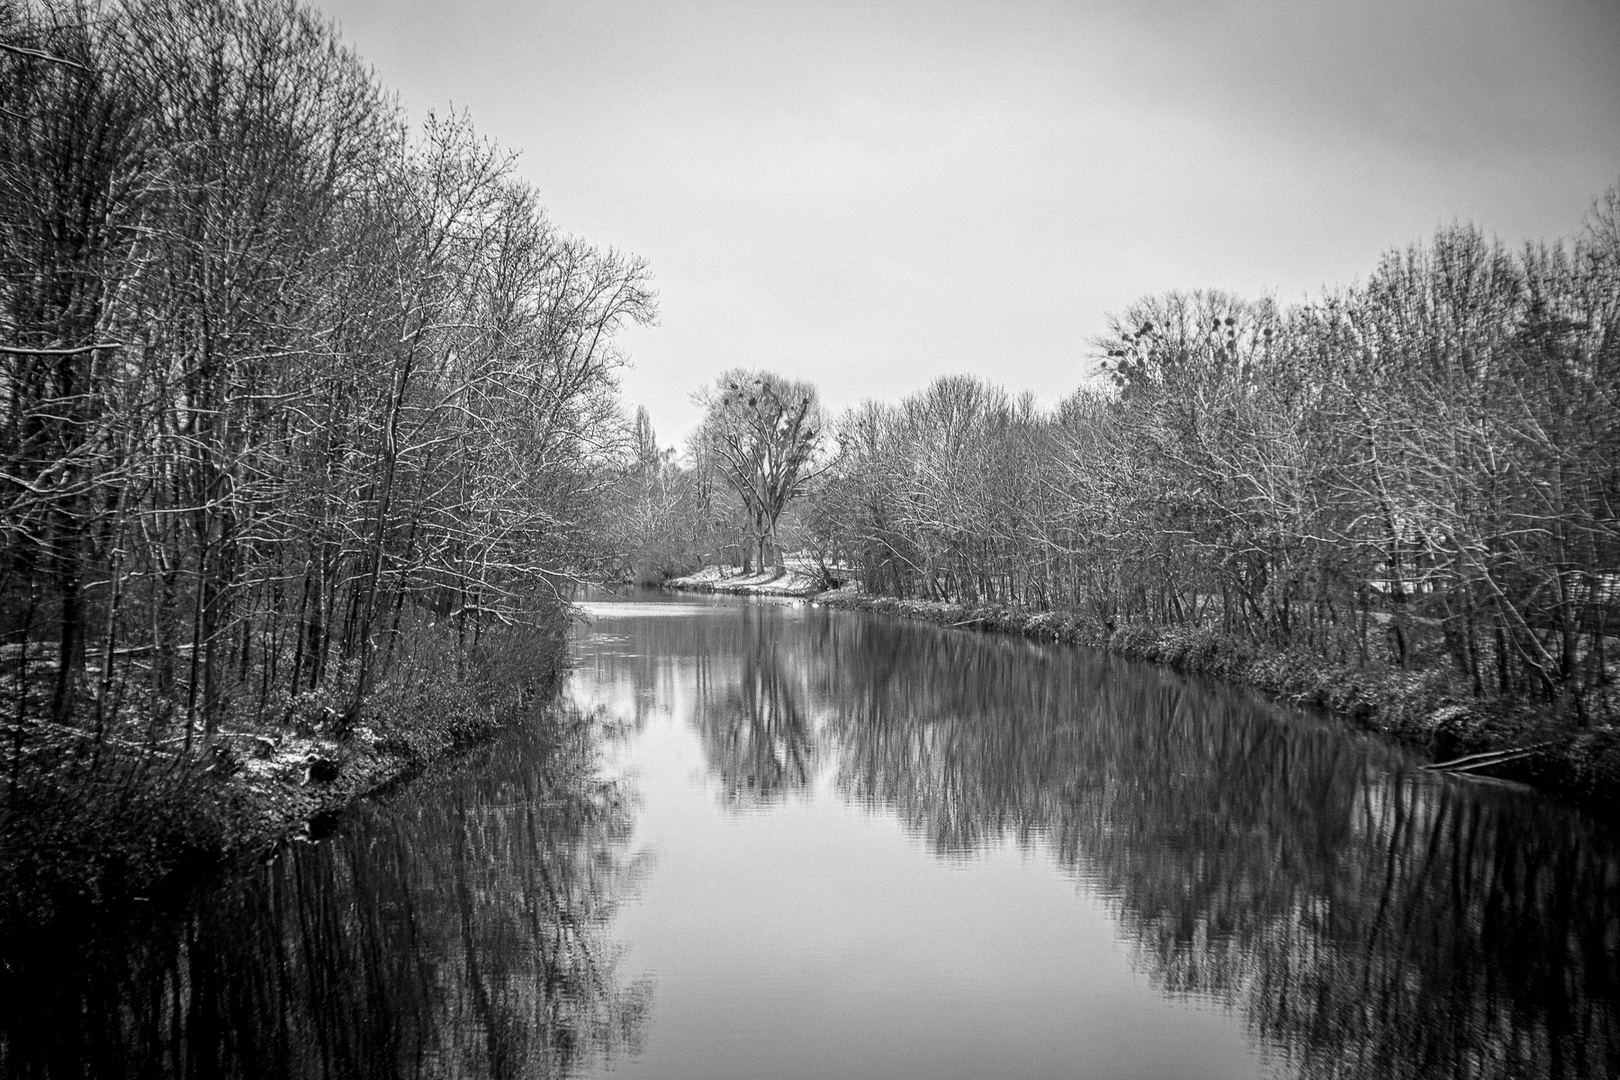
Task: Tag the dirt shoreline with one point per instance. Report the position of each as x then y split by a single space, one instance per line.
1417 708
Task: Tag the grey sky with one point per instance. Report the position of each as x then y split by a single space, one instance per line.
868 195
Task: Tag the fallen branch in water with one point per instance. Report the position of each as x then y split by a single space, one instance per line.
1486 760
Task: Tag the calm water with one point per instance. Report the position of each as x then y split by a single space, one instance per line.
801 843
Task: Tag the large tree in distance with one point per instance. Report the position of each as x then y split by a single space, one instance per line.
762 432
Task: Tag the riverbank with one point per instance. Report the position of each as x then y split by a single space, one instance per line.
1421 708
92 820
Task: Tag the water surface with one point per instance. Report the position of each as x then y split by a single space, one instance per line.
798 843
880 848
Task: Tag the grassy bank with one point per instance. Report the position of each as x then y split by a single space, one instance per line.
1423 707
92 817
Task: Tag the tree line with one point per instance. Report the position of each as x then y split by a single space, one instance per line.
284 384
1422 469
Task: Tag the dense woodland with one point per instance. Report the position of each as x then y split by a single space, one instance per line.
1421 470
296 402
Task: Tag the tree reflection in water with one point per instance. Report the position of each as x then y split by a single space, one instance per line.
1366 918
457 930
752 716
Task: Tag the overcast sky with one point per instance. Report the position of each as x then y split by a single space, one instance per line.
869 195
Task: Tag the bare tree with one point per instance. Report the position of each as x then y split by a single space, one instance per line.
280 382
763 432
1420 471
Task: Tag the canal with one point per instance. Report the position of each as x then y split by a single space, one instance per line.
782 841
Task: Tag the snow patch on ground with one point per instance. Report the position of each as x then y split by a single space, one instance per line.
793 581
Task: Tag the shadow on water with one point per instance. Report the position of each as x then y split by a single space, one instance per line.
455 929
1364 917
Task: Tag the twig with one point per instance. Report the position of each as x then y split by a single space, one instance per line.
38 55
18 351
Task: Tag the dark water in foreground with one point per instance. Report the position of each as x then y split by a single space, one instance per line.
809 843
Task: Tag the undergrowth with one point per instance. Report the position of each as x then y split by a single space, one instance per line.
90 815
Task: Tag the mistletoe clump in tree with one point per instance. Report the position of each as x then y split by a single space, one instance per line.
762 433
